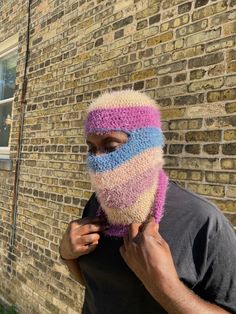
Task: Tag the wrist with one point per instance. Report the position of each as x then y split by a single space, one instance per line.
166 289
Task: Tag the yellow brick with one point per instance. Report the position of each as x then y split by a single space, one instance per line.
140 75
209 10
159 39
143 34
230 135
106 74
165 26
71 210
231 191
226 205
229 28
206 189
172 113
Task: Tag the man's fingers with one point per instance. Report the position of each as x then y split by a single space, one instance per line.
150 227
133 231
86 228
87 239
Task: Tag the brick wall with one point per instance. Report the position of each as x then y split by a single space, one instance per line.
182 53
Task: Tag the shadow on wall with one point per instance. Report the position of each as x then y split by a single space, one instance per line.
7 309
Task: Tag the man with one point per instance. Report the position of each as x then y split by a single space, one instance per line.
144 244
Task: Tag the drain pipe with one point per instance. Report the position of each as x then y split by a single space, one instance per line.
19 146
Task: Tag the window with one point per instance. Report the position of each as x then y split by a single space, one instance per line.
8 58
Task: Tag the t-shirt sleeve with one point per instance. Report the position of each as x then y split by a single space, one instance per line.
218 285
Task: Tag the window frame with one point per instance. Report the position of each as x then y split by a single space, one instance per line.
8 46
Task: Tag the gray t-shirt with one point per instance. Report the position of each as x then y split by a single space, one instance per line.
203 247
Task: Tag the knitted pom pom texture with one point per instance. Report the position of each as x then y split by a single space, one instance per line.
129 182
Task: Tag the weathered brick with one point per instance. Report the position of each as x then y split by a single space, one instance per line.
206 189
180 77
221 122
225 205
217 70
122 23
130 68
189 52
220 44
175 149
172 113
222 18
171 136
139 85
229 28
209 10
148 11
211 149
207 84
154 19
226 94
142 74
230 80
193 149
176 22
206 60
165 80
142 24
174 67
159 39
228 163
183 8
231 192
221 177
203 136
180 174
231 107
118 34
197 74
192 28
200 3
229 149
171 91
203 37
188 100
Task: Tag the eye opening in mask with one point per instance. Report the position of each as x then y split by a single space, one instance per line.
106 142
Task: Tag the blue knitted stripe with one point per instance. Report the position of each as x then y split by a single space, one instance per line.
139 141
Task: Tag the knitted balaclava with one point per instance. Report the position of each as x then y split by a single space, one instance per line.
129 183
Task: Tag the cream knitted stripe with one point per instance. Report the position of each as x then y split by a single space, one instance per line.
125 99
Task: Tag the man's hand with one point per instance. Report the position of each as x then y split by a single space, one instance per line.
81 237
149 257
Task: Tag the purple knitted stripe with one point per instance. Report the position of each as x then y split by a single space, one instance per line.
126 119
128 192
161 196
157 212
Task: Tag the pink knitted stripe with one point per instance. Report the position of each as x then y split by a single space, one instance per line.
122 119
157 212
161 196
128 192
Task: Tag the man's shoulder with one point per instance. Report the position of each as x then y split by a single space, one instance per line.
182 202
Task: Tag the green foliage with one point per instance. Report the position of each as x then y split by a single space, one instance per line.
8 309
